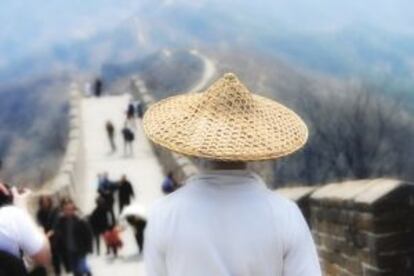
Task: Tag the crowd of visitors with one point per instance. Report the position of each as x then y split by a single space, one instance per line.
103 220
69 235
65 236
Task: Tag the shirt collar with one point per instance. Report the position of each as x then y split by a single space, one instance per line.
226 177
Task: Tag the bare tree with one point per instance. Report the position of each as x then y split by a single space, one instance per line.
353 135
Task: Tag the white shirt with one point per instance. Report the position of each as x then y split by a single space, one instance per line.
227 223
18 231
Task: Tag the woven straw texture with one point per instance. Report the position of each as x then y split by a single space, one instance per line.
226 122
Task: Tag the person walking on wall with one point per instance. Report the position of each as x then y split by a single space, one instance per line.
130 113
110 131
74 236
138 223
47 216
224 221
97 87
129 138
100 221
125 192
106 189
139 109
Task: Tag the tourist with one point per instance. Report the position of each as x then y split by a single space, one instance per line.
130 120
106 190
139 109
125 192
18 232
129 137
130 113
99 221
97 87
168 185
138 223
110 131
112 240
74 239
224 221
47 216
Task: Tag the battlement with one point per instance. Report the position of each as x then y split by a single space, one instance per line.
362 227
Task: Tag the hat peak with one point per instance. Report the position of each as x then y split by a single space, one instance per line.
230 76
228 84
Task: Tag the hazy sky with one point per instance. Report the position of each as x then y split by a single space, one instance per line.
29 25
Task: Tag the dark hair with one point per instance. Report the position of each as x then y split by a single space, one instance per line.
45 198
6 199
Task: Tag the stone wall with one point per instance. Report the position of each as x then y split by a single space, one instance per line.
181 166
361 227
71 170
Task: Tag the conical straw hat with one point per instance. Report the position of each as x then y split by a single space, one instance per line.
226 122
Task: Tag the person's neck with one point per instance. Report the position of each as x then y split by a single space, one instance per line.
221 165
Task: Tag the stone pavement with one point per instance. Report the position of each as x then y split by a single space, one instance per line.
142 169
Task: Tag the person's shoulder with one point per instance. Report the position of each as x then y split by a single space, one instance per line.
14 211
280 202
168 203
20 217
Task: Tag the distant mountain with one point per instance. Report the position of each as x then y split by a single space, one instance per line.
330 44
33 128
281 48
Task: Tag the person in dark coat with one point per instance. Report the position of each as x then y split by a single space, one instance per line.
97 87
138 224
99 221
47 216
74 239
125 192
106 189
129 138
110 131
130 111
139 110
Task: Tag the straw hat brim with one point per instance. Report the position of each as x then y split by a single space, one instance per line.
268 130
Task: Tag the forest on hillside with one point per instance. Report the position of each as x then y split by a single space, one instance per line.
357 130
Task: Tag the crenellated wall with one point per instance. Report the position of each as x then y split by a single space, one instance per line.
363 227
71 170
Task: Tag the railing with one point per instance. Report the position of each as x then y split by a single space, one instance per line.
181 166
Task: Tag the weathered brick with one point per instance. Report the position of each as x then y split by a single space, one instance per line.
366 231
